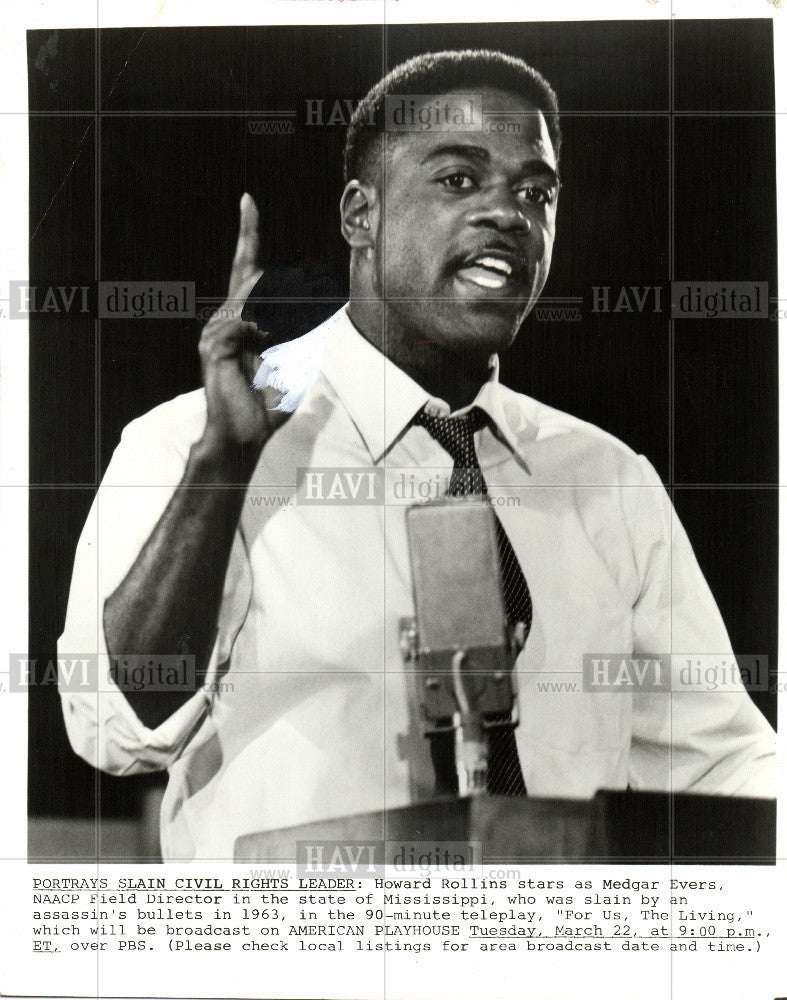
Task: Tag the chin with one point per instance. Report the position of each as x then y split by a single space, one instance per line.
478 343
487 331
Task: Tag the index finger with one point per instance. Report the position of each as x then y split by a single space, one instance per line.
244 264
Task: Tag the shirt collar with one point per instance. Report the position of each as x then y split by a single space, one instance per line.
381 399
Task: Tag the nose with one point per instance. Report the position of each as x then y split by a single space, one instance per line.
500 209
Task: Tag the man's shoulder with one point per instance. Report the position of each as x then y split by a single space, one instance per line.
567 446
179 422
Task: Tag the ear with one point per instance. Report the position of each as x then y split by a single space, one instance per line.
360 215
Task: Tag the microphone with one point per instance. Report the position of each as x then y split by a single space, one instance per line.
460 640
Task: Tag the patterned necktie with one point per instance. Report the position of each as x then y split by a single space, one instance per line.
455 435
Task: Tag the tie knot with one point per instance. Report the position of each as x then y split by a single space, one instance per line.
454 434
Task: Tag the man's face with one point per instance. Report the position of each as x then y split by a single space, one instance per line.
468 225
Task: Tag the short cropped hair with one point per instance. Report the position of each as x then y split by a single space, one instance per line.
439 73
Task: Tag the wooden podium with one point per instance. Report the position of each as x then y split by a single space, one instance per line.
613 827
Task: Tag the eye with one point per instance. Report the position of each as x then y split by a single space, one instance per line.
457 181
537 195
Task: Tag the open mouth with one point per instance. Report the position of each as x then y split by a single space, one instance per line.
489 269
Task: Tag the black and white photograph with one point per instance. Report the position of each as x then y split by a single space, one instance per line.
402 503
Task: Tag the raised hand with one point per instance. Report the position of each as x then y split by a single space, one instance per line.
239 416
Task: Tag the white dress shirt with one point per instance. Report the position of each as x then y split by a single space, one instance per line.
315 716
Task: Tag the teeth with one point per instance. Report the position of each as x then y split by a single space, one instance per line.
486 282
485 277
487 271
495 264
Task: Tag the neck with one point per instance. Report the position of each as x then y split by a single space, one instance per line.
455 378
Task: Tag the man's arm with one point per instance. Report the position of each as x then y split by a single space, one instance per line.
172 594
700 740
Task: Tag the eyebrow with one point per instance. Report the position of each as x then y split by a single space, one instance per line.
532 167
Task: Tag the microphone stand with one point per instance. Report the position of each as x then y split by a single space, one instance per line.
467 692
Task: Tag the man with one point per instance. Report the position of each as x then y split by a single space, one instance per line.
292 608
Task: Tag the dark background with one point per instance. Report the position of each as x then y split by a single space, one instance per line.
148 189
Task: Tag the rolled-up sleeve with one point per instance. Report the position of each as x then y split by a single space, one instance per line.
143 474
692 737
